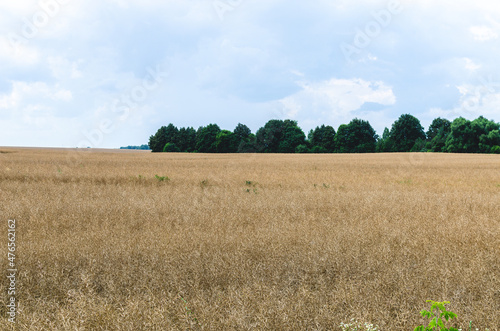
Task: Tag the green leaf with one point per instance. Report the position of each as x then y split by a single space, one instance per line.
440 323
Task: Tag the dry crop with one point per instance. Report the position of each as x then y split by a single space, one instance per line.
235 242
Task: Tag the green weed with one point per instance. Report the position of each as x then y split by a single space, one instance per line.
160 178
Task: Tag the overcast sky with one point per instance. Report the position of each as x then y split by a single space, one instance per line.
109 73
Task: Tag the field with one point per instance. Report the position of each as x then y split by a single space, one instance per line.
105 241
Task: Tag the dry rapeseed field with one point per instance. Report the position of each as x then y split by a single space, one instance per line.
238 242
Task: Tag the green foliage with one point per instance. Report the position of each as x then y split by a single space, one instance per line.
278 136
420 146
171 148
249 145
285 136
189 313
322 139
405 132
438 126
356 137
437 313
160 178
242 132
302 149
384 144
164 135
142 147
226 142
437 134
477 136
158 140
186 139
206 138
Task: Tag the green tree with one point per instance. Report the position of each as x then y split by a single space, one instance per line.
460 139
158 140
278 136
437 134
171 148
481 129
242 132
356 137
405 132
438 126
226 142
249 145
206 138
164 135
384 144
243 135
489 143
269 136
293 136
302 149
322 139
477 136
186 139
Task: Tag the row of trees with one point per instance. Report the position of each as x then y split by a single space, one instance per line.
285 136
142 147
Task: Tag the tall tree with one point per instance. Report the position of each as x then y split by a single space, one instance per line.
243 135
206 138
278 136
405 132
384 144
242 132
356 137
249 145
269 136
460 139
293 136
158 140
186 139
322 139
437 134
438 125
226 142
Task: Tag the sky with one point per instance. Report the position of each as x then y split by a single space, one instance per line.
109 73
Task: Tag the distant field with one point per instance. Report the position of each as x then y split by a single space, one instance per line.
236 242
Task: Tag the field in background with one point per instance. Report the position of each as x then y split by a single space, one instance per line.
235 242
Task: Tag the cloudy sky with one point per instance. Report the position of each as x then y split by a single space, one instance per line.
109 73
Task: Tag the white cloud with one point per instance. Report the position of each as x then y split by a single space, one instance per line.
28 94
483 33
470 65
336 99
62 68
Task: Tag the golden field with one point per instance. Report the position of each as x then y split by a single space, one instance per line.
240 242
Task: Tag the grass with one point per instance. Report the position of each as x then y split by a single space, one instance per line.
101 248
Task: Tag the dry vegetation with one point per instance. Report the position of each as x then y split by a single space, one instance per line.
236 242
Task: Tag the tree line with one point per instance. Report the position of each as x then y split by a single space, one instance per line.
285 136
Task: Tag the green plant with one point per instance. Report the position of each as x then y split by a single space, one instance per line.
354 325
160 178
436 314
189 313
